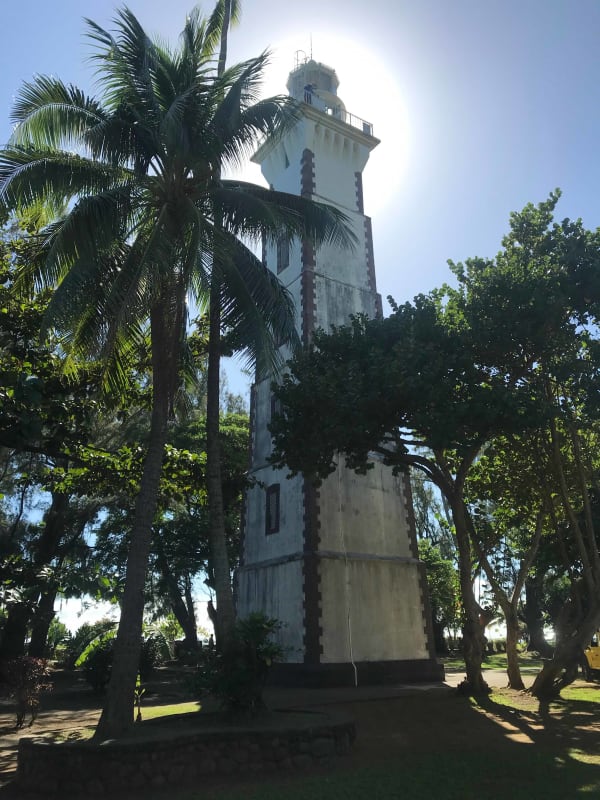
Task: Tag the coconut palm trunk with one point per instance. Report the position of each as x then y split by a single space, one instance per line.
117 713
225 616
218 538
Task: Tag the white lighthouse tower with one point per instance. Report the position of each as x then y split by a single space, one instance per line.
338 565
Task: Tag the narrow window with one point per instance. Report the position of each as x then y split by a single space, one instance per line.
283 253
275 406
272 510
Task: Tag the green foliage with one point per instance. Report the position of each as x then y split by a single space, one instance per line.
180 535
237 676
155 651
97 657
26 678
442 582
58 634
96 661
83 637
170 628
41 409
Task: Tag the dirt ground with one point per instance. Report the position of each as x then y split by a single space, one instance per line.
387 718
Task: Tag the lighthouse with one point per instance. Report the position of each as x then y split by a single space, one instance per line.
337 565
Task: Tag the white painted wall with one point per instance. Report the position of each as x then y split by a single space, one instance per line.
375 606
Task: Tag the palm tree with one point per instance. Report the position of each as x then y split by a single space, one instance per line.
151 223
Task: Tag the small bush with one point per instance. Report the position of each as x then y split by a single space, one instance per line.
26 677
155 651
237 677
97 658
96 661
170 628
83 637
58 634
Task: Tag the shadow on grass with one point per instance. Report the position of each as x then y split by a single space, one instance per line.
448 748
438 744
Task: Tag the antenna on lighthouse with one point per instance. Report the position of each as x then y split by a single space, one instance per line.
311 47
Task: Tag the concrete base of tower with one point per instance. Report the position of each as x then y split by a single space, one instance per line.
363 673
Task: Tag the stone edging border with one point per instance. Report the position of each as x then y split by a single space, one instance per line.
84 768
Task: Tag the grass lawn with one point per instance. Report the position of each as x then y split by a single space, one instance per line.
148 712
530 664
152 712
440 745
436 744
440 775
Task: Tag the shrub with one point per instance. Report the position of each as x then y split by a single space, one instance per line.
237 677
170 628
83 637
58 633
26 677
96 661
155 651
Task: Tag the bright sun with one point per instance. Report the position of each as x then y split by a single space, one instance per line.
369 90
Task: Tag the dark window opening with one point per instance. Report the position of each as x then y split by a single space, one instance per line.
283 253
275 406
272 510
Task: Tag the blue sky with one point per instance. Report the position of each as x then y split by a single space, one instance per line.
481 106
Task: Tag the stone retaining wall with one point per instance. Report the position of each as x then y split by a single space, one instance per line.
71 769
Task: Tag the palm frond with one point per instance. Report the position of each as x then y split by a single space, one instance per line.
143 190
216 19
125 66
256 308
200 37
50 114
251 210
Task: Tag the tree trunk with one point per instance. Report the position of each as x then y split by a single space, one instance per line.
562 669
225 617
181 611
534 619
224 35
473 631
117 714
14 631
218 537
40 624
515 681
191 614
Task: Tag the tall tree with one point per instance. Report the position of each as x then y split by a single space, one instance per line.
149 219
514 347
508 488
225 616
43 416
406 387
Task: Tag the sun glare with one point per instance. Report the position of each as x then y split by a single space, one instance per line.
369 90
